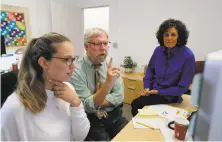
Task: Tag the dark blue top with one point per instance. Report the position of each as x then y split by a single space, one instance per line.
170 73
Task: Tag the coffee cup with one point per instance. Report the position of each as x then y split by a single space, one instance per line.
14 66
180 127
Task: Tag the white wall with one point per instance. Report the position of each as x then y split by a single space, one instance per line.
96 17
133 24
113 15
139 20
39 16
53 15
68 20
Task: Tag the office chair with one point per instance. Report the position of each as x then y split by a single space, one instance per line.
8 85
199 67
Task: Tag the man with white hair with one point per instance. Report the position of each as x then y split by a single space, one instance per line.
99 87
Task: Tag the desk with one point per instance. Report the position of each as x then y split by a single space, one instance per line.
6 62
128 133
133 84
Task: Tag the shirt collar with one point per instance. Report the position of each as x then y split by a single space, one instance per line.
50 94
86 59
174 50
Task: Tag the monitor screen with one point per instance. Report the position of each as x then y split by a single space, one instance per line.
3 50
195 99
208 124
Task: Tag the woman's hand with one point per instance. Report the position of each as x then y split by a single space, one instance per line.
64 92
144 92
153 92
147 92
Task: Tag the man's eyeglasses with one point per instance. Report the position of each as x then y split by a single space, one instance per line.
100 44
68 60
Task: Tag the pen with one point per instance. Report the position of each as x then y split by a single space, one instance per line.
145 125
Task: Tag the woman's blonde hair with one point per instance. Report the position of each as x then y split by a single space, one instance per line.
31 84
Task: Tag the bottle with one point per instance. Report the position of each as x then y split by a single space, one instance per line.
18 60
15 64
141 70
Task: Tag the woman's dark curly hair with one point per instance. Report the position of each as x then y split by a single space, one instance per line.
183 33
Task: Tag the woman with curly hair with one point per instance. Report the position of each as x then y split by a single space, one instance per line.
170 69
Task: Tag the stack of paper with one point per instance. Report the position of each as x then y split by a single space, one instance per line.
169 112
149 111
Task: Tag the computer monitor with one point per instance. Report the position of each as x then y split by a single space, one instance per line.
208 124
3 50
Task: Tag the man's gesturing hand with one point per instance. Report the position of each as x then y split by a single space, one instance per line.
113 73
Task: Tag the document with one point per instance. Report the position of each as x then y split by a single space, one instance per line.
152 122
160 124
169 112
148 112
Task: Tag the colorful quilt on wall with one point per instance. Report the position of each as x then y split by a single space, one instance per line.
13 28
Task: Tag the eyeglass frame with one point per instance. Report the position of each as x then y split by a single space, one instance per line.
66 60
100 44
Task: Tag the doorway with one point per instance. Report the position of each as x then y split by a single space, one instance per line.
96 17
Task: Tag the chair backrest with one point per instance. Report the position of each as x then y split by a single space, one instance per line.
8 84
20 51
145 68
199 67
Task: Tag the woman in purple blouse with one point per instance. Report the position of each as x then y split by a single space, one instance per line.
170 69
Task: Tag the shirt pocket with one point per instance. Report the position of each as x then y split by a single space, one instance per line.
174 73
160 72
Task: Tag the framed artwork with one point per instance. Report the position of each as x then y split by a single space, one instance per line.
15 25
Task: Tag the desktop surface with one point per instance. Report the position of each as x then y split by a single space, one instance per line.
129 133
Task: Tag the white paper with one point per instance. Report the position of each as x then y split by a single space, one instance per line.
161 124
147 112
169 112
166 132
153 122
